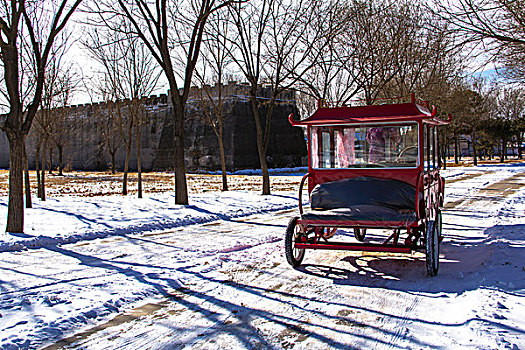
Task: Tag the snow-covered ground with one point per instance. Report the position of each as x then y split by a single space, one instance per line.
119 272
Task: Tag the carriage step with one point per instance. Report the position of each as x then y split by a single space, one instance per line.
356 247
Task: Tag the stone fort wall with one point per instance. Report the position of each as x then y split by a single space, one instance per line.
85 147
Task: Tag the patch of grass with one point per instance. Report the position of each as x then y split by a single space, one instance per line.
93 183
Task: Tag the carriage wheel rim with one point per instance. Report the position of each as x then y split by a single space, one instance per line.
436 233
436 246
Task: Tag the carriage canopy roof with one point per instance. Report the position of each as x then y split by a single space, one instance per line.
385 113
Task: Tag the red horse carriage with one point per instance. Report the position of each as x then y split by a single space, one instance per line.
371 167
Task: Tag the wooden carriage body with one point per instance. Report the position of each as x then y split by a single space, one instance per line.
371 167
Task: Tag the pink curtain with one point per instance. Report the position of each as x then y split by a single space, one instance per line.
314 139
349 141
345 147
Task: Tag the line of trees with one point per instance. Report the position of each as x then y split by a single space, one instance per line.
491 116
337 51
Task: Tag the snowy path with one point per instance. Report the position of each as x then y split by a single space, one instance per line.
225 284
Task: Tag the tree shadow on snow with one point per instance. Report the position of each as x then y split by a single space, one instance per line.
202 303
467 263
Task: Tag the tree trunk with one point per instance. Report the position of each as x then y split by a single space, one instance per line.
43 174
456 150
128 153
60 160
138 133
113 162
27 183
37 166
260 147
520 141
50 160
126 166
474 150
503 149
15 206
181 189
179 166
223 162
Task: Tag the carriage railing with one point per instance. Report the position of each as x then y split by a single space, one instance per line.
421 187
301 192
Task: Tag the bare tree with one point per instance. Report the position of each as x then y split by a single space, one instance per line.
495 27
373 39
172 30
51 120
272 44
109 130
332 77
37 24
426 57
126 123
129 75
138 109
42 123
62 126
211 75
379 49
509 114
62 129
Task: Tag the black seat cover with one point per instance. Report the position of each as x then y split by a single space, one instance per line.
347 193
363 199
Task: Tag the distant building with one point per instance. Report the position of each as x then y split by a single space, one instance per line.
85 147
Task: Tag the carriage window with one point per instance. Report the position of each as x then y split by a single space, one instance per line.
370 146
430 155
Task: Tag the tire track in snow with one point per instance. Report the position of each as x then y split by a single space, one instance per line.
401 330
465 177
499 189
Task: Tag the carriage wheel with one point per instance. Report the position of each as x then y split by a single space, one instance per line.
359 234
432 245
439 225
293 256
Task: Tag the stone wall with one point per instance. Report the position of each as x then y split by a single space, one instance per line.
85 147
